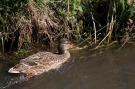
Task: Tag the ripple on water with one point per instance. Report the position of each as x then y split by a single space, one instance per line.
12 80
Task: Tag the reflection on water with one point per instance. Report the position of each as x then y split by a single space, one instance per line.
87 70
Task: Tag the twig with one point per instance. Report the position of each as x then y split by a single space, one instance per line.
92 35
103 39
94 27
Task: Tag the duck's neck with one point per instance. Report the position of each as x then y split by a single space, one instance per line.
66 54
63 51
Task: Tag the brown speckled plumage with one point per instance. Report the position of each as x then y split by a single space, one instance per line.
42 62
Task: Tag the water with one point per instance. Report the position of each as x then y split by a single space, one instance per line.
86 70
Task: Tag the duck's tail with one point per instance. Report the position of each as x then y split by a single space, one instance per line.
12 70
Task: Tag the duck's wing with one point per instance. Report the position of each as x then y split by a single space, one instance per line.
35 57
42 58
51 58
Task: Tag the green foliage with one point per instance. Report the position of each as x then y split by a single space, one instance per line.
11 6
21 53
9 9
124 12
75 19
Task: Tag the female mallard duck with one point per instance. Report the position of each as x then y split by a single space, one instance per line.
43 61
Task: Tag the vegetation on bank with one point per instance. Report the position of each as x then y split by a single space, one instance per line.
25 23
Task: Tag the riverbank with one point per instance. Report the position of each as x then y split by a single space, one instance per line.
94 23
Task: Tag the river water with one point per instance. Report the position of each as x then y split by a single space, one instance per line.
86 70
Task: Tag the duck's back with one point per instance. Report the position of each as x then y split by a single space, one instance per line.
43 58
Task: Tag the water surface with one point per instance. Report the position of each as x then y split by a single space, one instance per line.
86 70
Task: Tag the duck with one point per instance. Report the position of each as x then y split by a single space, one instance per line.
41 62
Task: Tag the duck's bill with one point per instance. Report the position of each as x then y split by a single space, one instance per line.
12 70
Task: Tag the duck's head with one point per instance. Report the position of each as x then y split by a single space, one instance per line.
64 45
19 68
